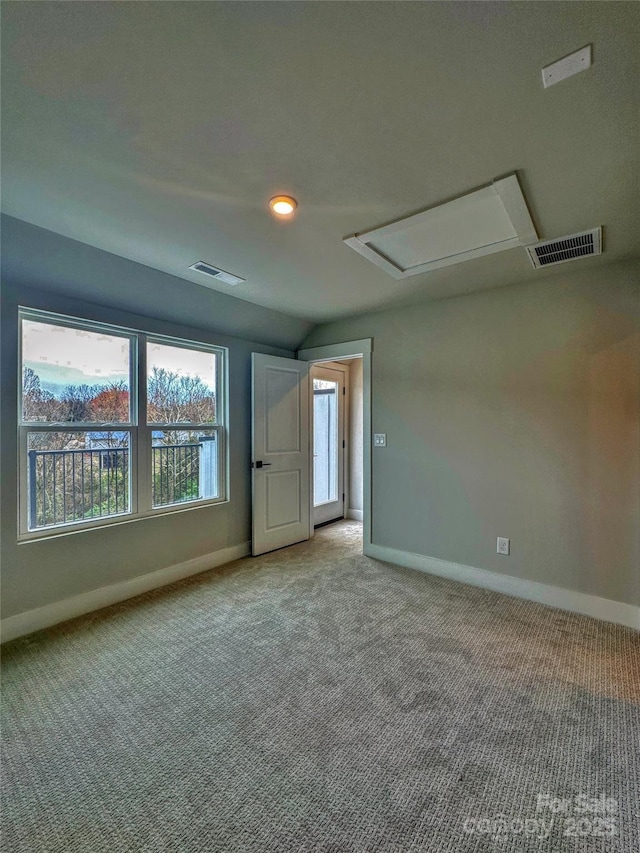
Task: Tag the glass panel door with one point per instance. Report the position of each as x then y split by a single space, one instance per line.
328 441
325 440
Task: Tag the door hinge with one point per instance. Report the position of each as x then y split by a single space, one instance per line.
343 497
344 390
343 444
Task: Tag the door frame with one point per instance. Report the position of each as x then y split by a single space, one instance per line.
336 352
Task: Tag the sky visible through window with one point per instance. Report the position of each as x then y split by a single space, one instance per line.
63 356
184 362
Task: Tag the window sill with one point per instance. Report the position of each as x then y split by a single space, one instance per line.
48 533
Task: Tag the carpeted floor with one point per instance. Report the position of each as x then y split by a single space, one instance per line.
317 700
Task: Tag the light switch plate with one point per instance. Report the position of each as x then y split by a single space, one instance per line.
380 439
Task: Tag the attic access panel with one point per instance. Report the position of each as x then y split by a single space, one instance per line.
490 219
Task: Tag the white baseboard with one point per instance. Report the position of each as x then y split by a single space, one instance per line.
355 514
86 602
554 596
564 599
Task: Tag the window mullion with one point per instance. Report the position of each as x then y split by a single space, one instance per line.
23 484
143 432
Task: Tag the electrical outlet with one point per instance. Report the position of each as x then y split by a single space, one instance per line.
380 439
503 546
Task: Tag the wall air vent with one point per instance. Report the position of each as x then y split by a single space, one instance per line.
218 274
570 248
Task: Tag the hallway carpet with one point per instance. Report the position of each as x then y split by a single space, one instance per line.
316 700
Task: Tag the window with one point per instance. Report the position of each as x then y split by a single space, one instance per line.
181 405
115 423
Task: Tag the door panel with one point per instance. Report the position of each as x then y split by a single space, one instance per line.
280 452
282 388
283 498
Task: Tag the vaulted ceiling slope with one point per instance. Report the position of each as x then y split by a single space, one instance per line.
42 260
158 132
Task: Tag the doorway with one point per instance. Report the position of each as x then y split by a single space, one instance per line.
356 355
282 445
337 423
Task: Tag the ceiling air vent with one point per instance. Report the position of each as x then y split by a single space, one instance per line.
550 252
218 274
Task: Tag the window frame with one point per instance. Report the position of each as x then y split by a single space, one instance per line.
139 431
217 427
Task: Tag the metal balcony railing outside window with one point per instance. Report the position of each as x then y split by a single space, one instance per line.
75 485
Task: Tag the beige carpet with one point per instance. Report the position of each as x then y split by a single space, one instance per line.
316 700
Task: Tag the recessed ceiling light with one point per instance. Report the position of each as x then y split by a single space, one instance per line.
283 205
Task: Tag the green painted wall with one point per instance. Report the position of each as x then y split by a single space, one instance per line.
516 413
46 271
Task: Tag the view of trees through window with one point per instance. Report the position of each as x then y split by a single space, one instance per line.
73 403
81 377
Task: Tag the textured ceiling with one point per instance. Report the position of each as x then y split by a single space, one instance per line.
158 132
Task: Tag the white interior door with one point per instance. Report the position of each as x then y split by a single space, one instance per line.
280 452
328 390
